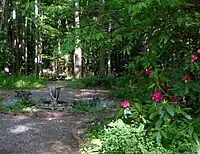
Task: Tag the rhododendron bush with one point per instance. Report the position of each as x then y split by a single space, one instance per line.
166 96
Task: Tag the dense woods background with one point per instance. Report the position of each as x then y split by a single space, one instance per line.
66 38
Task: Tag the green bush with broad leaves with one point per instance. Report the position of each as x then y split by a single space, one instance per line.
121 138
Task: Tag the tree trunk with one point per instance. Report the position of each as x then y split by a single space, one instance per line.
15 44
40 44
59 47
77 53
2 14
102 68
36 38
6 28
26 46
109 51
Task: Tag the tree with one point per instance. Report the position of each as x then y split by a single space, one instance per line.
77 52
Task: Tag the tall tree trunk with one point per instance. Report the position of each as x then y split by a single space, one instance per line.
77 53
2 14
59 47
36 37
15 44
6 28
109 51
40 43
26 46
67 56
102 49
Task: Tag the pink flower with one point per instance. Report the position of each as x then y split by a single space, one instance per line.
193 58
198 51
148 72
157 96
125 104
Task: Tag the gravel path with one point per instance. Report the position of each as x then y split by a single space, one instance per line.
24 135
37 135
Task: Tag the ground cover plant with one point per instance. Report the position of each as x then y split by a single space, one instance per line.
21 106
94 106
20 82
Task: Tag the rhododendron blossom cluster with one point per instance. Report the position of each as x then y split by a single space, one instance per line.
193 58
186 78
198 51
148 72
125 104
157 96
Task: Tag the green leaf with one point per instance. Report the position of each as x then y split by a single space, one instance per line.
191 130
164 134
140 128
196 138
137 105
120 113
151 86
153 115
153 109
143 119
135 115
158 123
166 117
186 115
170 110
186 89
158 137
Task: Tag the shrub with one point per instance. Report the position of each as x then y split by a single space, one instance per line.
121 138
20 82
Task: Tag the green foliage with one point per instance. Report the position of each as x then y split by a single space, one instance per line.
76 83
91 107
2 96
20 82
19 107
122 138
177 139
100 82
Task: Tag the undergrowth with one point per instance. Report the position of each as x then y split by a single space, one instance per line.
19 107
20 82
108 82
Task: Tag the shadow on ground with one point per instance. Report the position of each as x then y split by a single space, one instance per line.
24 135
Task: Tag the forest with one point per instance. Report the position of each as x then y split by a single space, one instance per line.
146 52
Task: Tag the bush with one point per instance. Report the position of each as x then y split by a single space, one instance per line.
100 82
121 138
20 82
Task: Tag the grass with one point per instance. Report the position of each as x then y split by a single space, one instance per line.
21 82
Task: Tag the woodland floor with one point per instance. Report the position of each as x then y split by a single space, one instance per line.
37 135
